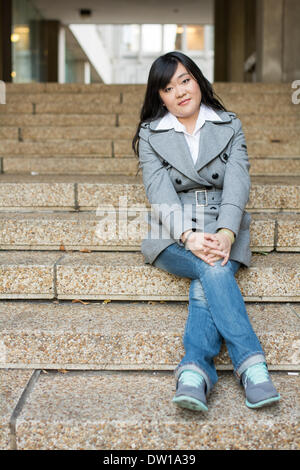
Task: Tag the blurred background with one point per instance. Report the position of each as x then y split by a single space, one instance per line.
76 41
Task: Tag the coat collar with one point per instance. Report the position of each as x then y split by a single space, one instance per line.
172 146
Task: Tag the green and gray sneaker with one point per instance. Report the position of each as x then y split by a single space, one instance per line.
191 391
258 386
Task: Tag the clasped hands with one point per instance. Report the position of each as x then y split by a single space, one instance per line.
210 247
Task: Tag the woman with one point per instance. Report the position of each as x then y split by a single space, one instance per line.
195 168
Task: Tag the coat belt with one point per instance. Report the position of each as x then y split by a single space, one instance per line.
201 197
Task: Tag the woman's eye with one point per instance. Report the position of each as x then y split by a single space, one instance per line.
186 80
167 90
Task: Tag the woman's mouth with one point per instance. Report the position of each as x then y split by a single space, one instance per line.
184 102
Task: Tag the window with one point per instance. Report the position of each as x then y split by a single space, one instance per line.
195 37
151 38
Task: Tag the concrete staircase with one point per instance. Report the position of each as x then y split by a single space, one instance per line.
89 334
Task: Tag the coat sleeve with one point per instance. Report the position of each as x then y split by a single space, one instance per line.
236 186
165 202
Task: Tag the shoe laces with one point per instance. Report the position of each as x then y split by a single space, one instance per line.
258 373
191 378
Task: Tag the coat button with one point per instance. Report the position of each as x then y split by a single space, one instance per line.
194 220
165 163
225 156
215 176
178 181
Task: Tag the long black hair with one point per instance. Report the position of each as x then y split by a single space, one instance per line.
160 74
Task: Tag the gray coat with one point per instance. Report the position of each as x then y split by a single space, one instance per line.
171 178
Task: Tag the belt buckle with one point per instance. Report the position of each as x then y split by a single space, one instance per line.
201 191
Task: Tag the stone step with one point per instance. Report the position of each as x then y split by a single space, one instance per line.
40 133
123 148
288 109
272 277
86 230
136 99
85 410
60 120
82 192
248 119
259 124
125 166
84 336
229 100
220 87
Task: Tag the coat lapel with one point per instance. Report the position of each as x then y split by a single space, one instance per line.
173 147
213 140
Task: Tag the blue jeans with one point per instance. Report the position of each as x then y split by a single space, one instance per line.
216 310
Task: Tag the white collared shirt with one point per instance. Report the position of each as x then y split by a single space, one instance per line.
169 121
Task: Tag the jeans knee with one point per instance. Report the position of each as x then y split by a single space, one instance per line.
220 270
197 292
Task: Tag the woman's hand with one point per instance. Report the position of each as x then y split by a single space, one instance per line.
224 245
209 247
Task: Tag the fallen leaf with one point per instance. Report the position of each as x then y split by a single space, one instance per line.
106 301
81 301
63 371
62 248
85 250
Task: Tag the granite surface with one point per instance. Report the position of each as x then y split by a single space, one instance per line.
133 410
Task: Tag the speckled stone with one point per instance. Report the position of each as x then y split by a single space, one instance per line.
8 133
288 232
101 230
70 165
274 149
57 147
12 383
120 335
125 276
103 99
24 120
27 274
247 119
264 195
78 108
133 410
267 194
27 194
229 98
255 149
275 166
270 133
16 108
90 132
274 196
219 87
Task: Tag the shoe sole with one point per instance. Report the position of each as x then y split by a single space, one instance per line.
185 401
259 404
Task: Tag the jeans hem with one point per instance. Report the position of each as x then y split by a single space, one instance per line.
194 366
253 358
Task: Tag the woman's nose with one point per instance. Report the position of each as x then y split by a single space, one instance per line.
180 93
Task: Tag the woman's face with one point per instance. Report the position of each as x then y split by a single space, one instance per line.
182 96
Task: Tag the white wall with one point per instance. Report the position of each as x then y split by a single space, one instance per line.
91 43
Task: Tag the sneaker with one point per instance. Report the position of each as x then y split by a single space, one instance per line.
258 386
191 391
